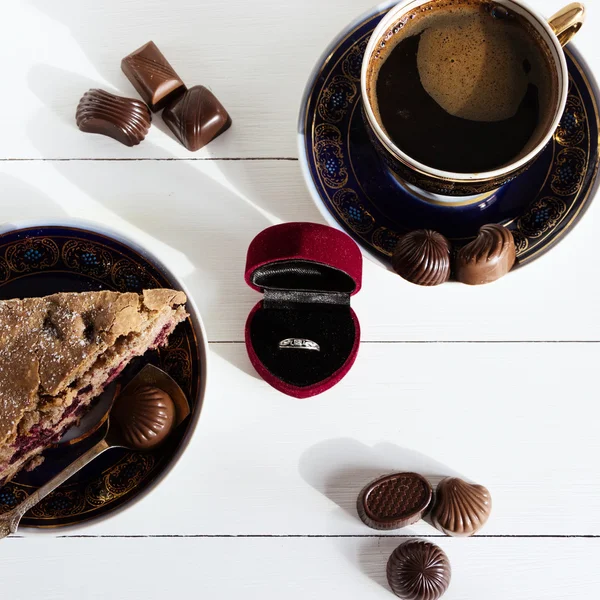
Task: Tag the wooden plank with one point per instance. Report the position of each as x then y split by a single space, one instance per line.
256 57
258 569
200 217
516 418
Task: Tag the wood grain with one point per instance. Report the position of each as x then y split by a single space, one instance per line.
223 569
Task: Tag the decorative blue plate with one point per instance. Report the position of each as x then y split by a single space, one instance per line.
356 192
46 260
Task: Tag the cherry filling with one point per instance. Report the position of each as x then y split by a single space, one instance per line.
162 336
114 373
38 437
44 437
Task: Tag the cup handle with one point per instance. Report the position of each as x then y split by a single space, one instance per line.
567 22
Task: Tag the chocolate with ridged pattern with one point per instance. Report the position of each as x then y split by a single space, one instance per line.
152 76
124 119
196 117
423 258
419 570
461 509
145 418
490 256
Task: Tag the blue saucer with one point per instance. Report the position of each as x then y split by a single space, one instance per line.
46 260
356 192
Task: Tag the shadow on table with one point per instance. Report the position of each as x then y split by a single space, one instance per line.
22 202
197 39
372 555
340 468
209 253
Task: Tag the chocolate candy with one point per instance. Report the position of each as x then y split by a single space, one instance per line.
490 256
152 76
461 509
423 257
145 418
419 570
124 119
196 118
394 501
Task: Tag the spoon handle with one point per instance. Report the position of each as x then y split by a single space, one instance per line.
9 521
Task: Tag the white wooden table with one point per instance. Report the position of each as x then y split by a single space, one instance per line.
497 384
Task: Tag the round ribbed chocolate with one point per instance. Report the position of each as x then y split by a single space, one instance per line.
490 256
394 501
145 418
419 570
423 257
123 119
461 509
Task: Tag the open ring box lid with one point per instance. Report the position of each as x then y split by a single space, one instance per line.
307 273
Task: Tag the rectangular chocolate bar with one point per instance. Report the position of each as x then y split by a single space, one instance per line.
152 76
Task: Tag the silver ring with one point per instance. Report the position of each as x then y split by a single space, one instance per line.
299 344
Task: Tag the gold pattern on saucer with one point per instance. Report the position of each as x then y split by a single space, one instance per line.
128 276
4 270
63 502
352 211
337 98
521 242
386 240
87 257
32 255
120 479
10 496
571 130
569 171
352 64
176 362
543 215
329 156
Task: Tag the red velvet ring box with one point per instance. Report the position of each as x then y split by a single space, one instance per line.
307 273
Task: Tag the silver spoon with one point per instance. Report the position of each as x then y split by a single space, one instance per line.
132 430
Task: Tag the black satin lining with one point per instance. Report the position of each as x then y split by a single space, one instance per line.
298 299
305 300
302 275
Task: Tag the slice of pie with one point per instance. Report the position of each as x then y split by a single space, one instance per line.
58 353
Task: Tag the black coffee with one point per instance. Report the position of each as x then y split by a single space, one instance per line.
464 86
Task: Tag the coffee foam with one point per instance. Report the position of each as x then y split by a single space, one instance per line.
465 66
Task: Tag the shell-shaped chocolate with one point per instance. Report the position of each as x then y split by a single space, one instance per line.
423 257
196 117
145 418
394 501
461 509
419 570
490 256
123 119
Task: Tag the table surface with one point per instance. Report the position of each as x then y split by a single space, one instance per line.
494 383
